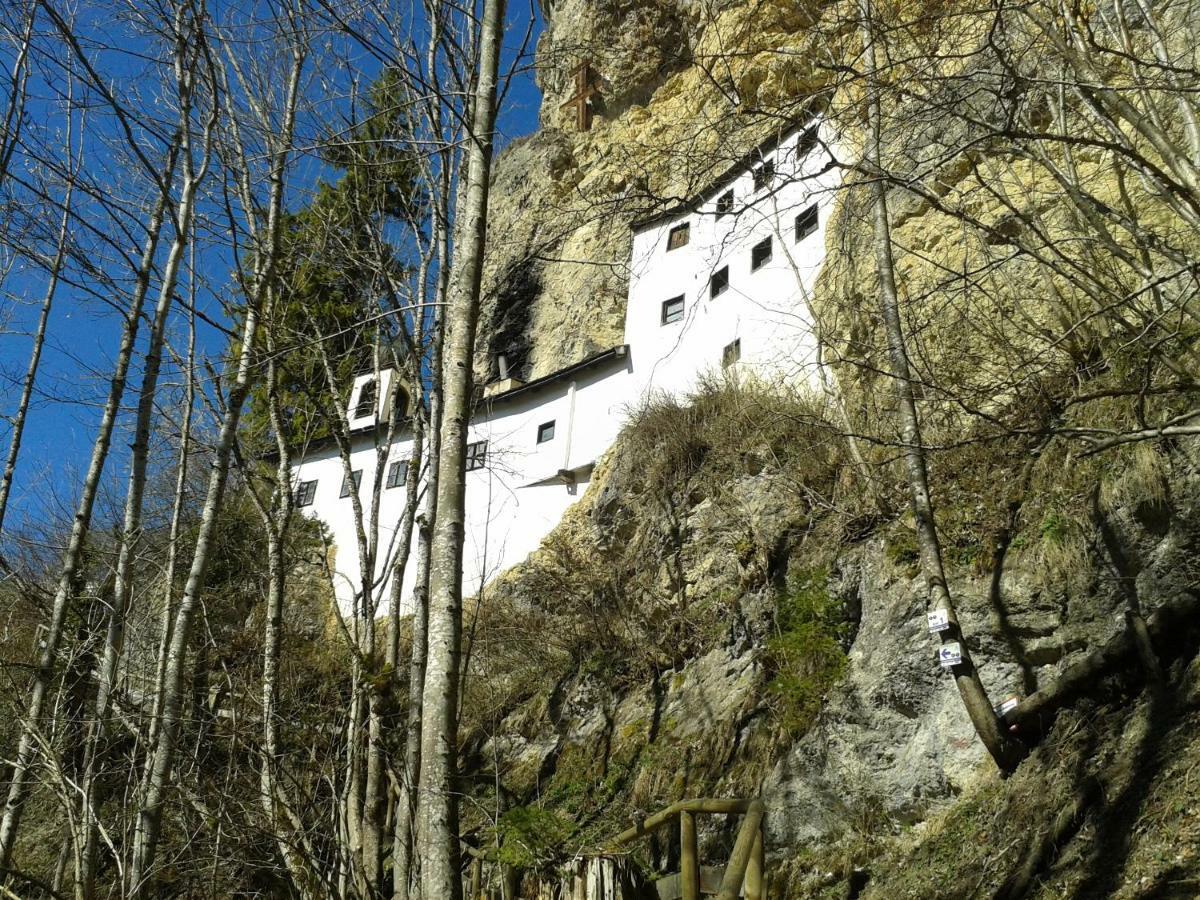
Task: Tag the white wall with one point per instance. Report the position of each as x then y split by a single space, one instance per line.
766 309
519 496
512 503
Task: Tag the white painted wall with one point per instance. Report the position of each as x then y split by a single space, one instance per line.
766 309
512 503
515 500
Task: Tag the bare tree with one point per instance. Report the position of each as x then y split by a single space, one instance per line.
438 804
278 133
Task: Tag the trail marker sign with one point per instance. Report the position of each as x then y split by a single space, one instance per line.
950 654
938 620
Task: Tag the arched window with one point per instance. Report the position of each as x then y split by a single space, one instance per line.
366 400
400 403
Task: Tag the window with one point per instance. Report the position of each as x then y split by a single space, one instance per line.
719 283
306 492
725 204
760 254
366 401
764 175
732 353
679 236
476 455
400 403
806 223
397 474
672 310
807 142
545 432
356 477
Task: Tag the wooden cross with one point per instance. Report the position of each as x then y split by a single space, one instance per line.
585 89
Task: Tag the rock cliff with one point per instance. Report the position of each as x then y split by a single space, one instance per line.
733 608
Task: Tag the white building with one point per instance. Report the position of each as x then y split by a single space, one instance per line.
719 284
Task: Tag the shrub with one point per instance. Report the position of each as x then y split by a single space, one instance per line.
805 656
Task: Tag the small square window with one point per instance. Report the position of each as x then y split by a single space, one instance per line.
719 283
397 475
764 175
725 204
476 455
806 223
356 476
732 353
807 142
760 254
679 236
672 310
306 493
545 432
366 400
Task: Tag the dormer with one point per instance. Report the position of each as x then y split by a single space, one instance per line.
373 399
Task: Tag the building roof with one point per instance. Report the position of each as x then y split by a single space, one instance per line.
588 362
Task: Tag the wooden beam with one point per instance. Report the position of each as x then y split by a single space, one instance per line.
689 865
743 849
756 868
664 817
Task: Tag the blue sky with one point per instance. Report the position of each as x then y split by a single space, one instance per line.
84 331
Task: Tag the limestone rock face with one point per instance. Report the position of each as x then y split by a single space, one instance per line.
674 108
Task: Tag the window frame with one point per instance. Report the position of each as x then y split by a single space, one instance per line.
813 212
476 456
807 142
397 474
718 282
368 392
757 261
764 174
685 229
400 402
542 436
669 315
356 477
306 493
725 204
731 353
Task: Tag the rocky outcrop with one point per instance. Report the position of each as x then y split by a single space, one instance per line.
674 109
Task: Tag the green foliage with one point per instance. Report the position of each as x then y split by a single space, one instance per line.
529 836
334 261
806 654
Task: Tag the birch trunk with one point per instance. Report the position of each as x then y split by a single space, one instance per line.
406 805
72 556
1004 749
439 850
132 525
149 818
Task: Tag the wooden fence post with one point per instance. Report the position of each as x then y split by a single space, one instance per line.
756 868
739 859
689 866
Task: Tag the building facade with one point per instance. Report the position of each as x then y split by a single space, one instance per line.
718 286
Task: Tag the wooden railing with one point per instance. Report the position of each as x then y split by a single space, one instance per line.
745 870
747 864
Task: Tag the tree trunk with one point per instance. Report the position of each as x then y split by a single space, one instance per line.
1006 751
72 557
149 818
132 526
438 804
